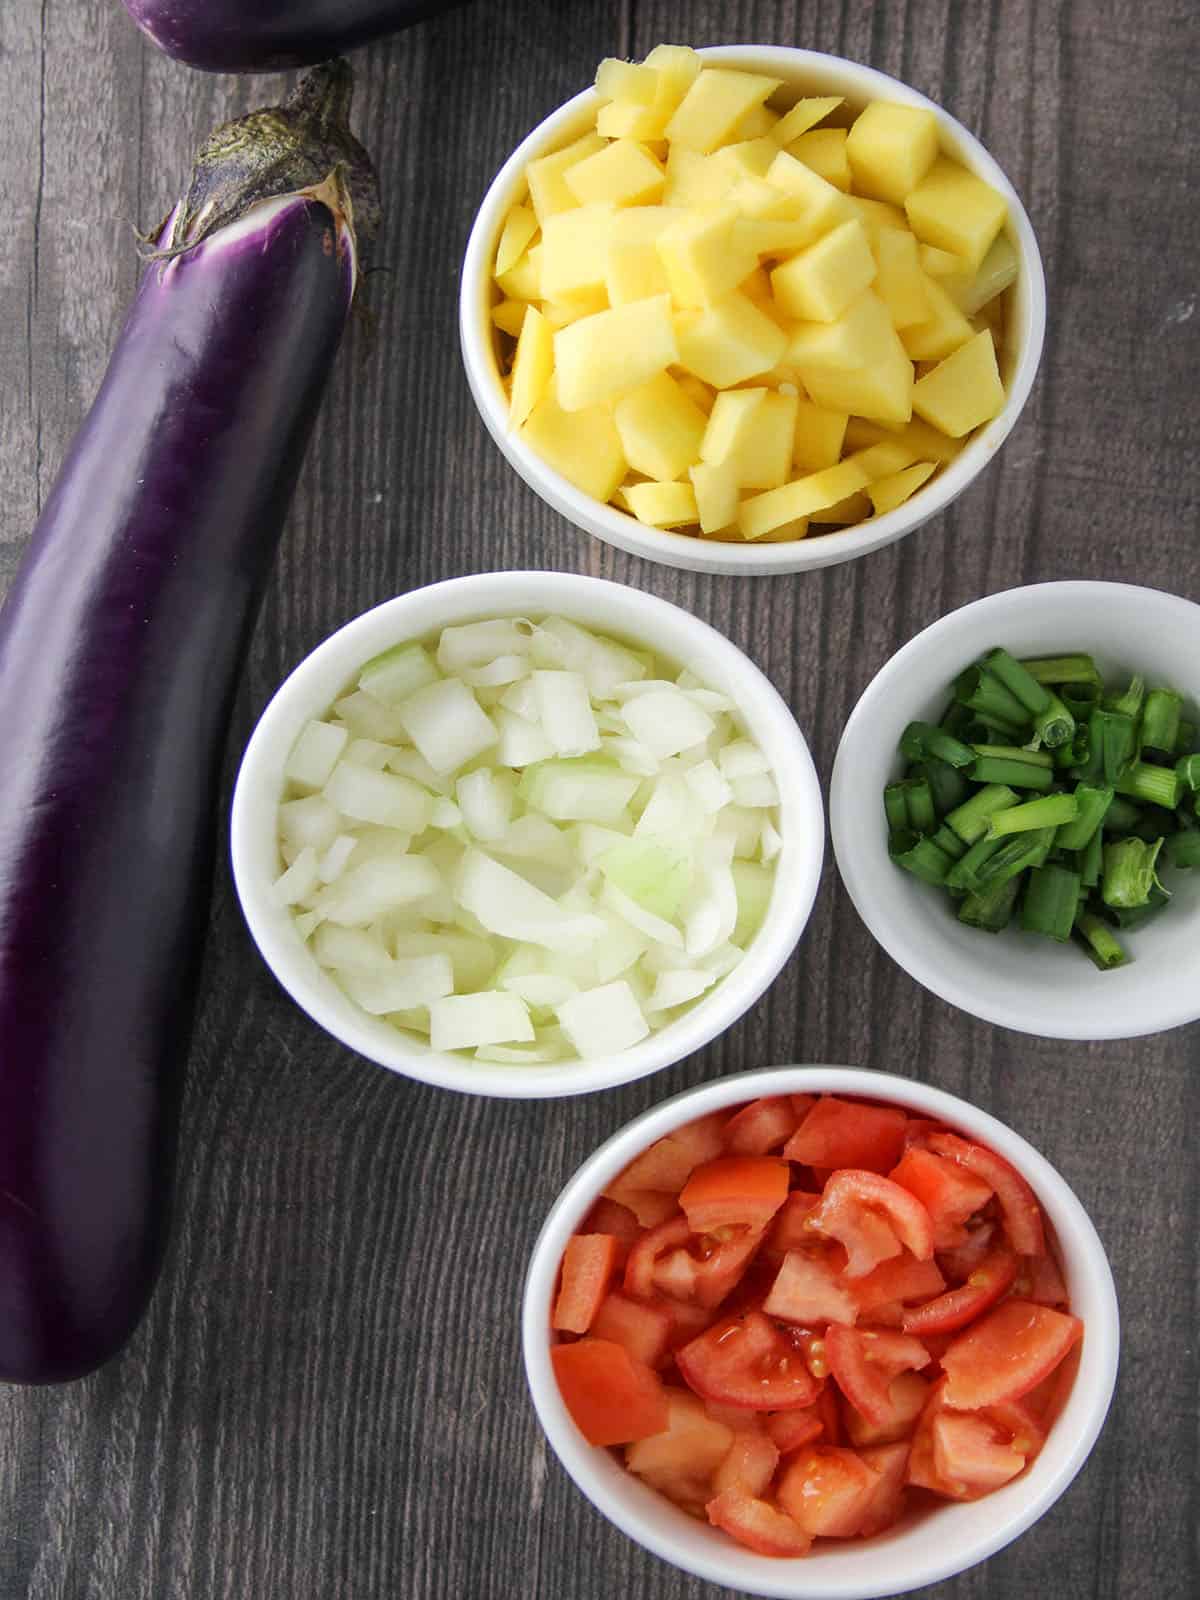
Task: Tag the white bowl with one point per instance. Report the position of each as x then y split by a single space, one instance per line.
1018 980
925 1550
810 72
642 620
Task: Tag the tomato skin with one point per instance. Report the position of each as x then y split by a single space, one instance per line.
1007 1353
589 1261
789 1430
639 1269
907 1394
610 1216
806 1291
643 1330
887 1499
735 1191
757 1525
668 1163
958 1264
827 1489
1018 1203
612 1398
968 1451
745 1361
749 1466
863 1364
844 1133
949 1192
1045 1286
762 1126
901 1278
992 1278
873 1218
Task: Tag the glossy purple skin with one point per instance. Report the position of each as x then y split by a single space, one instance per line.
262 35
120 644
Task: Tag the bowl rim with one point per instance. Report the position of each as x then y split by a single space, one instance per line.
665 546
1083 1255
910 956
760 708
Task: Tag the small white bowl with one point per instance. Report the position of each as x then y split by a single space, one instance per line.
925 1550
809 72
1015 979
642 620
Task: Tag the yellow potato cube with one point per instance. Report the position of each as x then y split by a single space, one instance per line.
891 148
674 67
925 443
963 391
786 533
730 424
749 158
901 284
877 215
614 351
509 316
548 191
764 456
824 207
824 150
643 224
717 494
998 271
805 114
697 391
818 284
520 225
532 366
819 437
695 181
956 211
627 81
523 281
782 237
942 332
760 201
758 123
885 494
583 446
663 505
941 263
856 363
624 173
729 341
575 250
757 287
660 428
634 272
882 459
561 313
762 513
704 258
854 508
713 106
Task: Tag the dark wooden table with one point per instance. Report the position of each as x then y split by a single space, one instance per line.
326 1397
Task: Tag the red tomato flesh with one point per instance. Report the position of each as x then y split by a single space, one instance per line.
749 1466
612 1398
808 1292
610 1216
787 1230
902 1278
588 1263
828 1491
1022 1214
906 1397
1007 1353
949 1192
643 1330
680 1461
992 1278
844 1133
873 1218
886 1504
761 1127
757 1525
1040 1280
734 1191
864 1362
968 1451
746 1361
788 1430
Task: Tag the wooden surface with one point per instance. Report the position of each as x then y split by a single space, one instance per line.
326 1397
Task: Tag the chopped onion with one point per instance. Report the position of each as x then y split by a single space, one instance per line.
367 891
446 723
757 790
678 987
709 788
565 712
507 904
300 879
369 718
603 1021
521 742
666 721
397 673
311 821
475 644
466 1021
315 754
349 949
367 753
485 799
496 674
382 797
333 863
402 985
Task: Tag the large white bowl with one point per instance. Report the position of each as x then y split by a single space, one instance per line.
805 72
926 1550
640 619
1016 979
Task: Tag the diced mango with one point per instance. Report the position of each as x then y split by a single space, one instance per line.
575 250
520 225
782 237
561 313
819 437
885 494
624 173
532 366
824 150
891 148
787 532
758 123
956 211
717 494
877 215
901 284
695 181
964 390
819 283
509 316
663 505
626 80
729 341
697 391
523 281
998 270
761 201
805 114
802 498
882 459
634 272
713 106
704 257
674 67
824 206
941 263
548 191
660 428
764 456
730 424
583 446
748 158
943 331
614 351
856 363
756 286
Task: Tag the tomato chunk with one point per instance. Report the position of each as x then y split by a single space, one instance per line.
1023 1427
651 1207
746 1361
828 1490
735 1191
844 1133
788 1430
907 1394
643 1258
762 1126
901 1278
757 1525
949 1192
669 1162
612 1398
958 1264
1007 1353
864 1362
887 1498
992 1278
1018 1203
610 1216
873 1218
807 1291
1040 1280
588 1263
680 1461
749 1466
968 1451
643 1330
787 1230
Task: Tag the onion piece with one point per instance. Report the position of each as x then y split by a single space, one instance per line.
509 905
402 985
466 1021
485 799
299 881
604 1021
447 724
666 721
382 797
473 644
565 712
396 673
678 987
315 754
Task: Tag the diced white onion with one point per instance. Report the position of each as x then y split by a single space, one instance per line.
365 892
299 881
485 799
445 814
709 788
367 753
604 1021
536 837
381 797
630 755
315 754
757 790
466 1021
496 674
333 863
678 987
476 643
521 742
741 759
666 721
579 791
656 928
509 905
311 821
397 673
349 949
370 718
415 981
445 722
542 989
565 712
771 842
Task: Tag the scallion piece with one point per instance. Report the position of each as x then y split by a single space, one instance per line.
1121 816
1156 786
1050 811
1188 768
1183 848
987 696
970 820
991 911
1129 872
964 874
1019 774
1129 701
956 719
1080 699
921 857
1021 851
1055 726
895 807
947 784
1160 721
1051 902
1064 669
1019 682
1090 860
983 726
1186 741
1015 752
1093 803
1099 941
921 739
947 840
1129 918
921 816
1115 735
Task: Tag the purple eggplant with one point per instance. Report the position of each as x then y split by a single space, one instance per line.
120 646
262 35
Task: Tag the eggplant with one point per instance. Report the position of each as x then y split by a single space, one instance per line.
121 641
263 35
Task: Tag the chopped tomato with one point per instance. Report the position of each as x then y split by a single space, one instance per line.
757 1525
873 1218
643 1258
650 1206
949 1192
739 1418
902 1278
749 1466
830 1414
610 1216
958 1264
1006 1354
789 1430
588 1263
746 1361
734 1191
1018 1203
612 1398
828 1490
888 1315
864 1362
1040 1280
762 1126
807 1291
643 1330
917 1131
670 1161
969 1451
992 1278
680 1461
921 1471
787 1230
887 1498
802 1104
1022 1426
845 1133
687 1321
907 1394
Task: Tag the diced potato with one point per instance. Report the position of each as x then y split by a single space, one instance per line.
717 494
730 424
819 437
891 148
900 283
627 81
660 428
764 457
757 288
674 68
634 272
575 250
885 494
964 390
520 225
524 281
941 263
819 283
999 269
583 445
705 257
695 181
884 458
624 173
824 206
532 367
614 351
942 332
713 106
856 363
729 341
561 313
782 237
509 316
699 392
877 216
824 150
805 114
762 513
925 442
761 201
663 505
547 188
748 158
956 211
787 532
854 508
758 123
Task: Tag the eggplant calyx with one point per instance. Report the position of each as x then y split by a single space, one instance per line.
302 146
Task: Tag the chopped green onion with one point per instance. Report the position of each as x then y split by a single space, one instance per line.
1099 941
1129 872
1156 786
946 839
987 696
1091 860
895 806
1050 811
1055 726
1093 804
1129 701
1019 774
956 719
1015 752
964 874
1019 682
1064 669
1080 699
921 857
970 820
991 911
983 723
1187 737
947 784
921 739
1122 816
1021 851
918 801
1131 917
1183 849
1188 768
1160 721
1115 734
1051 902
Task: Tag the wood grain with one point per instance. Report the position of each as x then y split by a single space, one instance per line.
326 1398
